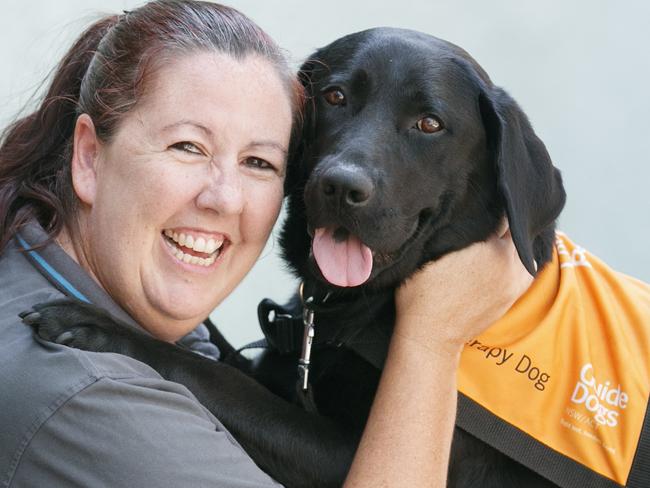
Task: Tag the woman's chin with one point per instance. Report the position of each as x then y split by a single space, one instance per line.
171 329
170 316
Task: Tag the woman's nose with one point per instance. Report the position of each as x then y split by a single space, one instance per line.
223 192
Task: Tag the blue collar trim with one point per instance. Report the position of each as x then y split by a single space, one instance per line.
54 274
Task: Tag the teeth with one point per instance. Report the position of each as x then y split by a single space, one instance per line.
213 245
199 244
189 259
210 246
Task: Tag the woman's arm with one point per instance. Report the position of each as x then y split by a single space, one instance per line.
408 436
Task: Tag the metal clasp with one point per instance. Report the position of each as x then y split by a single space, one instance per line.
307 341
308 337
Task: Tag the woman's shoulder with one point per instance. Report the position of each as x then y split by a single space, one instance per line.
38 377
132 427
52 390
60 403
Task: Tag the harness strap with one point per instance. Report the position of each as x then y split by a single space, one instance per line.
530 452
306 398
639 476
259 344
282 333
281 329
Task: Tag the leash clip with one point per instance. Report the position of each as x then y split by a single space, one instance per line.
307 338
307 341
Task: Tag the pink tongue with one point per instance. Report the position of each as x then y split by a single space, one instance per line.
345 263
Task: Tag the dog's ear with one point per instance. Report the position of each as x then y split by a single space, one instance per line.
531 187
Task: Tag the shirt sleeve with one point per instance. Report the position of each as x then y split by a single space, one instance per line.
138 432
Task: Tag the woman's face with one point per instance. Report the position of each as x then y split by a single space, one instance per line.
180 203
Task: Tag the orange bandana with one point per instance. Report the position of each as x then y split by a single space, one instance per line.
568 366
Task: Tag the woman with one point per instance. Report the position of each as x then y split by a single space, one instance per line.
155 167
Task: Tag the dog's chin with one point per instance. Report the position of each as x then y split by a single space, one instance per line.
388 267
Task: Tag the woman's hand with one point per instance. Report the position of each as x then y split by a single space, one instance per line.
407 439
455 298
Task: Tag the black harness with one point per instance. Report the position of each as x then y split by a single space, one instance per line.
294 331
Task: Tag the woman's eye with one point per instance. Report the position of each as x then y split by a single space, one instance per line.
187 147
334 96
259 163
429 124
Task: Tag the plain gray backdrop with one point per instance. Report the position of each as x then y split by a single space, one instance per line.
579 69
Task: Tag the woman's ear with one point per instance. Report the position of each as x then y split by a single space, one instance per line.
84 159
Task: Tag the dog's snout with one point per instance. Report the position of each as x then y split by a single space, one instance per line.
348 185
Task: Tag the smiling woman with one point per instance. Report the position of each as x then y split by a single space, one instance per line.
147 183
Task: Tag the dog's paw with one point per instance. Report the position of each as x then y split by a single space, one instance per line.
69 323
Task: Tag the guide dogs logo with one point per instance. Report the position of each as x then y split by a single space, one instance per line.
600 399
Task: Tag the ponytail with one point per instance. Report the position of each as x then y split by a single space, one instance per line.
35 151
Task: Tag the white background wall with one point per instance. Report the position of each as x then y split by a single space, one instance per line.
580 69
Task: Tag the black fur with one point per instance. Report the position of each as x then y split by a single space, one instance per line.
364 168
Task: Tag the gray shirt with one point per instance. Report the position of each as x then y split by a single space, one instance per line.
71 418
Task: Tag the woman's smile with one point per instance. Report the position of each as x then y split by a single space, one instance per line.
195 248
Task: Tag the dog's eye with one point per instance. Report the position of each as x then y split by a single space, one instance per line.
428 125
334 96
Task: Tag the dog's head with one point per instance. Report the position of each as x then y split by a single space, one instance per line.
409 152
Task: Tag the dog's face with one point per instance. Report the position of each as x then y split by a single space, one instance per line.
401 160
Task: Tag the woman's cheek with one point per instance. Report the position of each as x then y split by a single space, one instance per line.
177 184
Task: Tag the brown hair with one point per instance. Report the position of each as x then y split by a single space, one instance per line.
104 75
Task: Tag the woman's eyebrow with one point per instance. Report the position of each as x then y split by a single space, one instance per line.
199 126
268 144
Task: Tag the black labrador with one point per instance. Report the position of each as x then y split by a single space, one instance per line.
407 152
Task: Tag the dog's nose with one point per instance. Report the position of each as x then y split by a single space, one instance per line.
349 185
